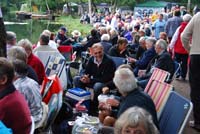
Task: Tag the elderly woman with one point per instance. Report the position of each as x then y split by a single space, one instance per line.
135 120
33 60
125 82
181 55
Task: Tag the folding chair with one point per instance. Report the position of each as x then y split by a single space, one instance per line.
159 92
118 61
54 105
66 51
175 114
177 69
158 74
32 125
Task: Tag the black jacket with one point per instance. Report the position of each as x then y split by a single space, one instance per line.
164 62
102 73
140 99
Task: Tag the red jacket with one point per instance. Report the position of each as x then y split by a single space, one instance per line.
14 111
38 66
178 47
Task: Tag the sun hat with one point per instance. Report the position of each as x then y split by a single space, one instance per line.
76 33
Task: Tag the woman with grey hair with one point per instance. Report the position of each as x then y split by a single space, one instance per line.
180 53
17 52
125 82
33 60
135 120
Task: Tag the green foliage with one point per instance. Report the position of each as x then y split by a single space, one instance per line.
129 3
74 23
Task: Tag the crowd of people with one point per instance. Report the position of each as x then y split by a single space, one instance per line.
147 42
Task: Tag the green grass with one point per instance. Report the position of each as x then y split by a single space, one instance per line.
73 23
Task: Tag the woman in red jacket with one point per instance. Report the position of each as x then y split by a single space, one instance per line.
180 54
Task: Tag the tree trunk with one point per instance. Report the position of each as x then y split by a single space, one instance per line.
2 37
114 5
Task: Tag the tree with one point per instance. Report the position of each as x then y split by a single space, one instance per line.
2 37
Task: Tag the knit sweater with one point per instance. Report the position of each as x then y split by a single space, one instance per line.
192 30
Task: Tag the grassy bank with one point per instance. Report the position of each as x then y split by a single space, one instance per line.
73 23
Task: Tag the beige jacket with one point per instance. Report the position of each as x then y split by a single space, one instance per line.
192 30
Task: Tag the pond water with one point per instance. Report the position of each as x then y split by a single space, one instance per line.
30 29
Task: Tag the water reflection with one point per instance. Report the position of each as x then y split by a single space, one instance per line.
31 29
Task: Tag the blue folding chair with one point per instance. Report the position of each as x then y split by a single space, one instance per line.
177 68
175 114
118 61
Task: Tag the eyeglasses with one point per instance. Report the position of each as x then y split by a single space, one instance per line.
99 52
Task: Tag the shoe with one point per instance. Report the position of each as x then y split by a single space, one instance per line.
177 76
182 79
194 126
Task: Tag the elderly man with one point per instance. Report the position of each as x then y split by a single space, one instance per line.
193 30
44 51
105 42
99 71
14 111
162 61
125 82
148 55
142 48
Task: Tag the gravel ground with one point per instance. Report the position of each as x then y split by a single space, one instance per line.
183 88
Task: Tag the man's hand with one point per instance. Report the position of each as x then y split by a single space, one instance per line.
104 106
141 73
131 60
105 90
112 102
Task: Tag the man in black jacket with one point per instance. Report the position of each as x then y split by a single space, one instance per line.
99 71
162 61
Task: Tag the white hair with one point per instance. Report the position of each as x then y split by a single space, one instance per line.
124 80
105 37
187 17
162 43
134 117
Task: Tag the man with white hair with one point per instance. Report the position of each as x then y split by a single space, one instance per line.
105 38
126 84
162 61
181 55
141 48
99 70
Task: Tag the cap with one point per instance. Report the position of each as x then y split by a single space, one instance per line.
63 28
10 36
